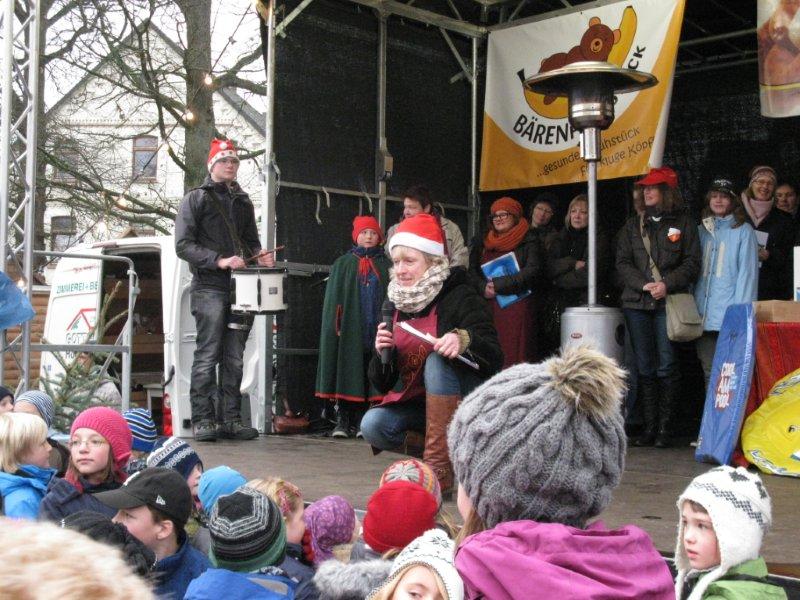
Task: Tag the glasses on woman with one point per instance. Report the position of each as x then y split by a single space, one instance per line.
93 443
544 209
500 216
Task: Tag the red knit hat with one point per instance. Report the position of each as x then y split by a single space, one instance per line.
220 149
507 204
366 222
421 232
397 514
660 175
113 427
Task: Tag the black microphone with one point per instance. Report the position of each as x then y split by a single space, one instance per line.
387 312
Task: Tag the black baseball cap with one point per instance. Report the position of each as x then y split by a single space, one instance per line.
724 185
157 487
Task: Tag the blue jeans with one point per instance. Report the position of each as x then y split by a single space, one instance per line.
218 345
655 355
385 427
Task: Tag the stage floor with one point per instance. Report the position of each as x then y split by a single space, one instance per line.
646 497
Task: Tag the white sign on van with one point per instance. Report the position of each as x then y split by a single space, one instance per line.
87 282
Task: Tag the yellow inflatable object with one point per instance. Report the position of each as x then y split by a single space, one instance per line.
771 435
558 109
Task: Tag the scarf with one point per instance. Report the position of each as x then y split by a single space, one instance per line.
414 298
757 210
577 242
369 292
508 240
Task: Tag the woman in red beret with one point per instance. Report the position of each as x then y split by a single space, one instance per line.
350 315
509 232
675 249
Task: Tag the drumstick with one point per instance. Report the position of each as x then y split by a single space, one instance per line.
247 260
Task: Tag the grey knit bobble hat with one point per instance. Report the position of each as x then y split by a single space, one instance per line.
544 442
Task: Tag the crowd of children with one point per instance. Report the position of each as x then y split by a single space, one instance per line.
537 452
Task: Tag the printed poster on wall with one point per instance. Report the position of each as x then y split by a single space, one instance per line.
778 27
527 139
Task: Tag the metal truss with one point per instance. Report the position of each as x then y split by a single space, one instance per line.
19 109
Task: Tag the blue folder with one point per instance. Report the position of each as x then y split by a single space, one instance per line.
500 267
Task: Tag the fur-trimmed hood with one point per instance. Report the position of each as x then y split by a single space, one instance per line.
350 581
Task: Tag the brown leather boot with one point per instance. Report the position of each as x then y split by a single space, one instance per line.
439 411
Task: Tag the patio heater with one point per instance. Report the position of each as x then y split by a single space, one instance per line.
590 87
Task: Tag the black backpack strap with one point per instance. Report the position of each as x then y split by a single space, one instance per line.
743 577
239 246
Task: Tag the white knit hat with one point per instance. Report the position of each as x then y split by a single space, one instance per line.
740 510
432 549
421 232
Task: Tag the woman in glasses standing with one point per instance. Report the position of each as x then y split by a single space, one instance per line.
508 232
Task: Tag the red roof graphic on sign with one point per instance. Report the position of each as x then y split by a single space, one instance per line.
81 321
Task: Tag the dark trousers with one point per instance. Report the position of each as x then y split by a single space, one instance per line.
218 347
655 355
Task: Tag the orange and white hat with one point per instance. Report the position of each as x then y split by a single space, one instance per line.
421 232
220 149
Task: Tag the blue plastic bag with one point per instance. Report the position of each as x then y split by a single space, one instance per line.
729 386
15 308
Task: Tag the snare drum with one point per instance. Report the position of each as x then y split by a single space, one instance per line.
258 290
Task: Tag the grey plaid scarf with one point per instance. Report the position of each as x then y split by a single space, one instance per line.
414 298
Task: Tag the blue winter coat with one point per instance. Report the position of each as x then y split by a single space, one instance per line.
175 573
22 494
63 499
221 583
729 272
300 572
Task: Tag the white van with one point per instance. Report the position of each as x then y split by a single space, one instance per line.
163 327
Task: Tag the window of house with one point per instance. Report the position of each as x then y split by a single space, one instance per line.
63 232
70 158
145 158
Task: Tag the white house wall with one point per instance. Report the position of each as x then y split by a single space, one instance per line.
104 119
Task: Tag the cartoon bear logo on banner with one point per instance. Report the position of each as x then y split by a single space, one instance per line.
598 43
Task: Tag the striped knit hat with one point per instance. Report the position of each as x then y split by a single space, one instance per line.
42 402
247 532
415 471
174 453
142 427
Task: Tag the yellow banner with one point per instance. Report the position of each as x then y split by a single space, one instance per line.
527 139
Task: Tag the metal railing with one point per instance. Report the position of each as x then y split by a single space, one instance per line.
123 343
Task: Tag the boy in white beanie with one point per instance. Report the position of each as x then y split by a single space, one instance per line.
724 516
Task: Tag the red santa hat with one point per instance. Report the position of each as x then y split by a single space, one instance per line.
220 149
421 232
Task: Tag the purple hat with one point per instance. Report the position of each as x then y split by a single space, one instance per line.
330 521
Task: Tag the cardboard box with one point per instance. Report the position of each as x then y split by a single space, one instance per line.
777 311
138 399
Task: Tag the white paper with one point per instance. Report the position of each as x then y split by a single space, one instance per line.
432 340
761 238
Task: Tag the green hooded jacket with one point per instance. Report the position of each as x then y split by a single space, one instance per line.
729 588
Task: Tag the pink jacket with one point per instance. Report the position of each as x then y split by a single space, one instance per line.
520 560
